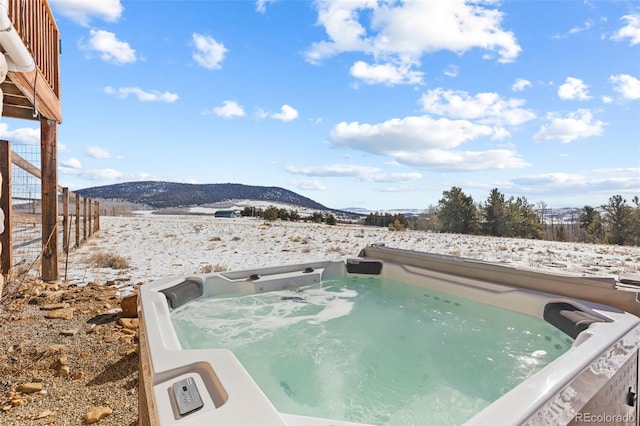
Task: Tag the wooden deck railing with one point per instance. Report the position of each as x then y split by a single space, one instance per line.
36 26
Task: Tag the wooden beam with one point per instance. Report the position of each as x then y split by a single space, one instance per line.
25 165
49 170
45 99
6 245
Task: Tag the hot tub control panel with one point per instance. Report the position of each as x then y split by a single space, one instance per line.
187 396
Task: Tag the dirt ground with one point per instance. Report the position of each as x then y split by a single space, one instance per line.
69 356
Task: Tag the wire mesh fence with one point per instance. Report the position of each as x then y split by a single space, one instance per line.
26 205
76 218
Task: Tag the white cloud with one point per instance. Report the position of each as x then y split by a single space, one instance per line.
631 30
604 182
101 175
486 107
426 143
82 11
588 24
334 170
143 96
451 71
93 174
100 153
395 177
400 33
520 84
24 135
455 160
626 85
364 173
573 89
229 109
287 113
209 53
414 133
388 74
576 125
109 47
309 185
261 5
71 163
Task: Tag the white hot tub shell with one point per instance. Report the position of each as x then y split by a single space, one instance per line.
595 380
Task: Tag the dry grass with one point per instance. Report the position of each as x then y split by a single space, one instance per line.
209 268
108 260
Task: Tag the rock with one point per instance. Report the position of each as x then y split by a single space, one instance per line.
54 306
111 339
53 349
43 414
97 413
129 323
70 332
129 306
77 375
30 387
64 371
66 313
17 402
126 339
52 286
129 352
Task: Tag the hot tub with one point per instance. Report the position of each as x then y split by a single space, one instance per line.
577 359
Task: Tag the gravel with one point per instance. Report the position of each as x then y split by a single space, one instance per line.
80 364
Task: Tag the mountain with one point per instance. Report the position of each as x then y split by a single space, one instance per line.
171 194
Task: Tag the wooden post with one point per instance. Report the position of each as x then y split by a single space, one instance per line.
97 216
66 225
49 171
84 219
6 249
90 217
78 202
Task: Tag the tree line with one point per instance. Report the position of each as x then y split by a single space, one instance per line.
619 222
274 213
616 222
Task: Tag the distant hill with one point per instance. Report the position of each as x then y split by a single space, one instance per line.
160 195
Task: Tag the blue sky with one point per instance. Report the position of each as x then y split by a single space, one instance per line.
361 103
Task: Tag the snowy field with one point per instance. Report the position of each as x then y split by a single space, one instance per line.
156 246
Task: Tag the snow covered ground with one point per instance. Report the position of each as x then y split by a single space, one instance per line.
157 246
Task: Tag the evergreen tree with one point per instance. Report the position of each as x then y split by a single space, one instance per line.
271 213
591 222
635 223
619 217
525 222
495 214
330 219
457 212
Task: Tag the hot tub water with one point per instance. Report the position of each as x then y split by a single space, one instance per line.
371 350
